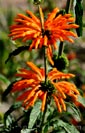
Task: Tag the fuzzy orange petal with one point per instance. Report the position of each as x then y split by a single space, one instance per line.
44 101
31 94
22 84
57 103
33 16
34 68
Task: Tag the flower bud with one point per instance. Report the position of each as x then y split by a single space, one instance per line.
36 2
60 62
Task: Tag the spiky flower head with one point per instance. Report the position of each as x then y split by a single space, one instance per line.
44 32
35 87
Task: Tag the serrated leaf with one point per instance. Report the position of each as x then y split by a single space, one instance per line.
34 114
81 100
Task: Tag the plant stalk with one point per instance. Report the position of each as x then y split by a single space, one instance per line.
68 6
61 46
45 67
42 25
45 64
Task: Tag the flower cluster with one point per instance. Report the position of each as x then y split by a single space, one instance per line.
56 27
34 86
36 83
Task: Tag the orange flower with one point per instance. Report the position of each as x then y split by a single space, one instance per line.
56 27
34 87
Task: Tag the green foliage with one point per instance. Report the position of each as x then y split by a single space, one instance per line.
74 111
79 16
34 114
16 52
81 100
58 123
7 91
4 79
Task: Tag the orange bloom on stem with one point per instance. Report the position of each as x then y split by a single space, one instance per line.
56 27
34 86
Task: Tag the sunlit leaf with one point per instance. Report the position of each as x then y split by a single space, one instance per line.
74 111
81 100
67 127
8 120
34 114
26 130
7 115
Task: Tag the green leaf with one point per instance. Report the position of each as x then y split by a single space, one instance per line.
34 114
4 79
11 109
46 128
79 17
81 100
74 111
62 131
7 91
8 120
67 127
16 52
26 130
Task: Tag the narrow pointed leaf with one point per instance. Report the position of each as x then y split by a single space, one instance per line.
7 91
16 52
66 126
34 114
7 115
74 111
79 17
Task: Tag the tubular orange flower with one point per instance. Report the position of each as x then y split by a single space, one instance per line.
34 86
56 27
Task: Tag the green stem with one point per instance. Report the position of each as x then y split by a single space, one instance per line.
67 6
61 46
45 67
42 25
